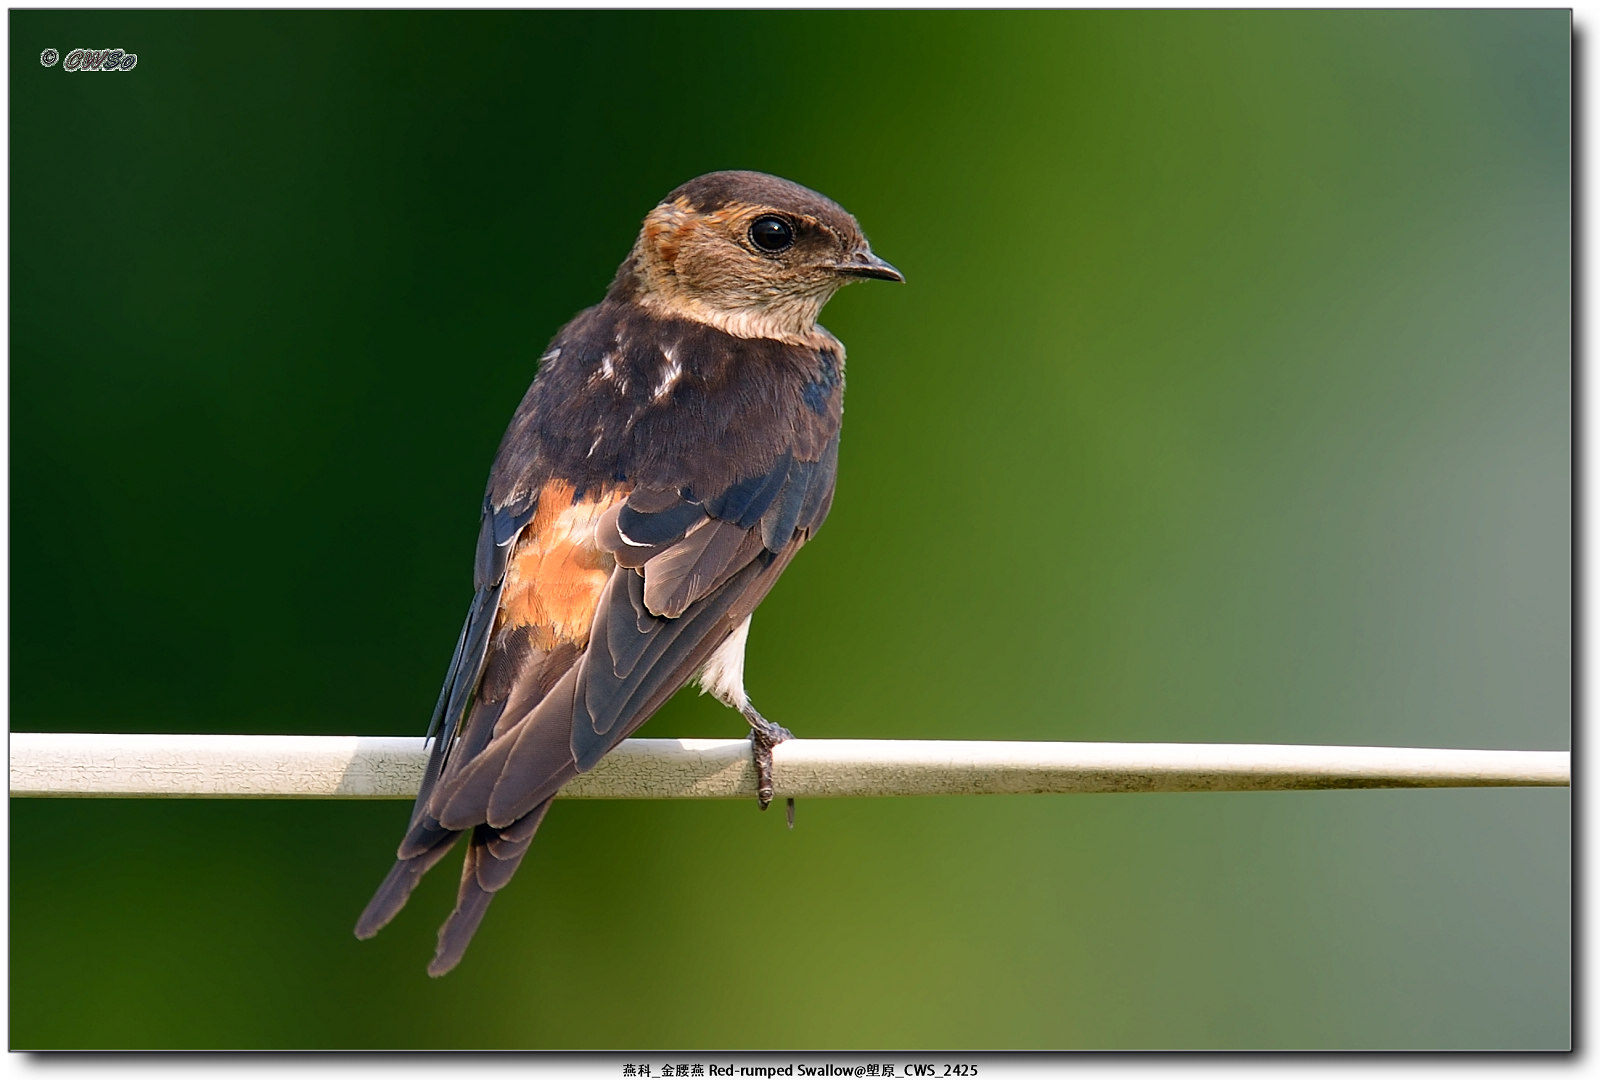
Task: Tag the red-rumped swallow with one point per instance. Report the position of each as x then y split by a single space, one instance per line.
677 447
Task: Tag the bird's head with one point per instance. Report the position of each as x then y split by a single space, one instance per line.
754 255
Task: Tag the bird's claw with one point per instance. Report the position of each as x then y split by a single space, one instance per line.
764 735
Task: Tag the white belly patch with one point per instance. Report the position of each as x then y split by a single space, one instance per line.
723 675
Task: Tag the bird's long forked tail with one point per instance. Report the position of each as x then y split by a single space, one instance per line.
398 886
493 856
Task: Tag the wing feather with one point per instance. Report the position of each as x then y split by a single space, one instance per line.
744 503
653 628
497 533
693 567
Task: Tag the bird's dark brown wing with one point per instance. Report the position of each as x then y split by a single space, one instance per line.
687 573
593 608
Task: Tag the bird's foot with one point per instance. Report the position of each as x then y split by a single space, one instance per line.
764 735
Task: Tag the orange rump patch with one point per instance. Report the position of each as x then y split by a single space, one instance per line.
557 571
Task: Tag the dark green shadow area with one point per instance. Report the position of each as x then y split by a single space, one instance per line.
1228 401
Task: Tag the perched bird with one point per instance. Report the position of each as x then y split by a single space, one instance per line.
677 447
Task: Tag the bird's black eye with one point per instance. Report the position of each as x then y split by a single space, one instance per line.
771 233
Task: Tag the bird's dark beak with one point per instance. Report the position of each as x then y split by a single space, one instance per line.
864 264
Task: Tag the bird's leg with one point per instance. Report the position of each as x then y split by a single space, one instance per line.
764 735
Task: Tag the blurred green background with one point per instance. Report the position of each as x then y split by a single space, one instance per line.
1229 401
